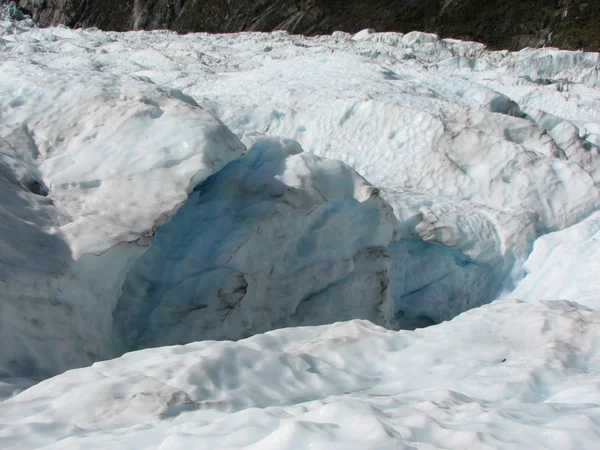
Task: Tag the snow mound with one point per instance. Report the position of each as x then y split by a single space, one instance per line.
90 166
478 381
276 238
564 265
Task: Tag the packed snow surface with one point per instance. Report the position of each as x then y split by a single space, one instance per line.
565 265
509 375
158 189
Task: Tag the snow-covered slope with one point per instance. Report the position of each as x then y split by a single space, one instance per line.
565 265
509 375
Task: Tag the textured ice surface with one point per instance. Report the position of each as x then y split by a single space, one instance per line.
129 218
507 141
508 375
91 164
565 265
277 238
453 255
95 162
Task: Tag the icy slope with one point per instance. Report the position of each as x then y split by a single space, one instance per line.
94 163
478 153
472 154
509 375
506 141
131 217
275 229
481 255
277 238
565 265
91 165
99 136
409 112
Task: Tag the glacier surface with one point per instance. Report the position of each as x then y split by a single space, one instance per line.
158 189
477 382
277 238
92 165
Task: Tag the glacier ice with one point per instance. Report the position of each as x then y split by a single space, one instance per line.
132 214
114 160
277 238
563 265
471 148
98 163
509 375
92 165
453 255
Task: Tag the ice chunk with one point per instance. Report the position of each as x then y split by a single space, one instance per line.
90 166
277 238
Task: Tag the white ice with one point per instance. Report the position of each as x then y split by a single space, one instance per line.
509 375
565 265
91 165
153 192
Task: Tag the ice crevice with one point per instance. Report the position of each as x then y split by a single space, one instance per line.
251 219
211 190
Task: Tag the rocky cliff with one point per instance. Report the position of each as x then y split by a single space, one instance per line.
511 24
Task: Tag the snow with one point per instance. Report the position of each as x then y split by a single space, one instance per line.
158 189
92 165
564 265
509 375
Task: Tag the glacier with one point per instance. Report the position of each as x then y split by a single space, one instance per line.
71 150
277 238
167 201
477 382
563 265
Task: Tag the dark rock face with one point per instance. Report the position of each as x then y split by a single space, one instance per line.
509 24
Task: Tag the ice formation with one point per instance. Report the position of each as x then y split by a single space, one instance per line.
277 238
508 375
563 265
158 189
92 165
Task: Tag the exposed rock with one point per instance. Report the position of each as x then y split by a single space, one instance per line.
511 24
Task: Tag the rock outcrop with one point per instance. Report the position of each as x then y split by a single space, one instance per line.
512 24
